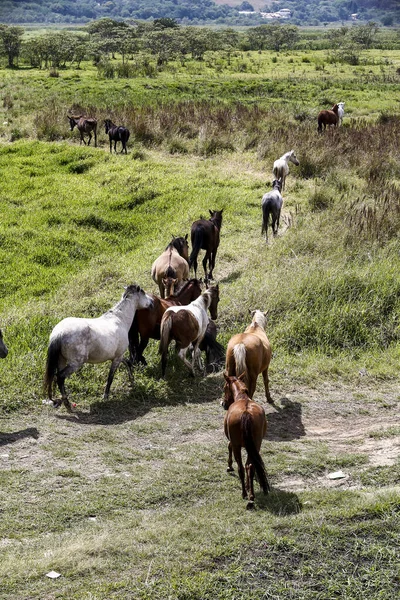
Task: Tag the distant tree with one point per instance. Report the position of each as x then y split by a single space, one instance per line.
11 42
387 21
365 34
246 6
273 37
165 23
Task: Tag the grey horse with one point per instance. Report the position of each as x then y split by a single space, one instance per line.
271 205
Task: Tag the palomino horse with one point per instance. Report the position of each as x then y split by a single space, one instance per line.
75 341
147 320
84 125
328 117
281 167
187 325
117 133
245 426
205 236
249 353
271 205
3 347
171 266
340 112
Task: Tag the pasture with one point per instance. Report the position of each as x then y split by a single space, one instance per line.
129 497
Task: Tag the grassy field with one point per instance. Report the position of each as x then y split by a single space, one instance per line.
129 498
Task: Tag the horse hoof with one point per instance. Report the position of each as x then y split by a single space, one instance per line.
250 505
229 469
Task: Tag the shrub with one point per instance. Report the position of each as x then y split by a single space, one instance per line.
321 199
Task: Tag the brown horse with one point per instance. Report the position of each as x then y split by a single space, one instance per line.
187 325
245 426
171 266
328 117
249 353
205 236
84 125
147 320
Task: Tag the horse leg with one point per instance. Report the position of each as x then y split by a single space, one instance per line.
277 222
61 377
115 146
230 468
205 259
250 483
237 452
197 357
142 347
212 262
110 146
95 137
182 356
128 363
114 366
266 386
90 138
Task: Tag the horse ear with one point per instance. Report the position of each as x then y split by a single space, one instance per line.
186 237
226 377
211 212
242 376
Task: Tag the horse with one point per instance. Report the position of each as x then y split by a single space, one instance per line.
117 133
205 236
249 353
328 117
245 426
84 125
75 341
147 320
340 112
187 325
3 347
271 204
215 352
281 167
171 266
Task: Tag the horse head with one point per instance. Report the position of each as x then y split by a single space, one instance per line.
72 121
233 382
216 217
335 109
213 292
108 124
259 317
277 185
293 158
144 301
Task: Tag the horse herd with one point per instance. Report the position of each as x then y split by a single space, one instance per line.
179 314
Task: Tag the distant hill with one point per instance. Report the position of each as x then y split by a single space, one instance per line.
195 11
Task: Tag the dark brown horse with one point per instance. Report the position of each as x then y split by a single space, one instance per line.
117 133
328 117
147 321
85 126
245 426
215 352
3 347
205 236
187 325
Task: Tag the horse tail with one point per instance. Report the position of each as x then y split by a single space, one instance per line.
239 353
197 241
253 454
133 336
165 331
53 354
170 272
319 123
215 352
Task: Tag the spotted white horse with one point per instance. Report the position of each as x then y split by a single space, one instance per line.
281 167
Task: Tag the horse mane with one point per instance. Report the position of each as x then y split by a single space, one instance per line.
183 287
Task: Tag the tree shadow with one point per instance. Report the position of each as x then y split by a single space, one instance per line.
285 424
15 436
279 502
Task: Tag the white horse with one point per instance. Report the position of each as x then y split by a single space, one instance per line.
340 112
75 341
3 347
281 167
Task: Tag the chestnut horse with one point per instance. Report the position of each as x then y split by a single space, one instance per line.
84 125
205 236
249 353
171 266
245 426
147 320
3 347
187 325
328 117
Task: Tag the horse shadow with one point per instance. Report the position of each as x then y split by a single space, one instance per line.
285 424
279 502
231 277
15 436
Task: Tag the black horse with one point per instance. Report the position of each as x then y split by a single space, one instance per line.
3 347
84 125
117 133
205 236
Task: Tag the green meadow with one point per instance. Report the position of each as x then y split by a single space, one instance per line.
129 497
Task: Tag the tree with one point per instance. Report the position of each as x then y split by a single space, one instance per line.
11 42
364 35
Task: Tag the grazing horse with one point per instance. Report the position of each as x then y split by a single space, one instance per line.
3 347
249 353
340 112
281 167
245 426
171 266
271 205
117 133
147 320
187 325
328 117
215 352
75 341
205 236
84 125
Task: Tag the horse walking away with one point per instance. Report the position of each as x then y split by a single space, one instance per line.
85 126
281 167
171 266
205 236
245 425
187 325
271 204
75 341
3 347
249 353
147 321
328 117
215 352
117 133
